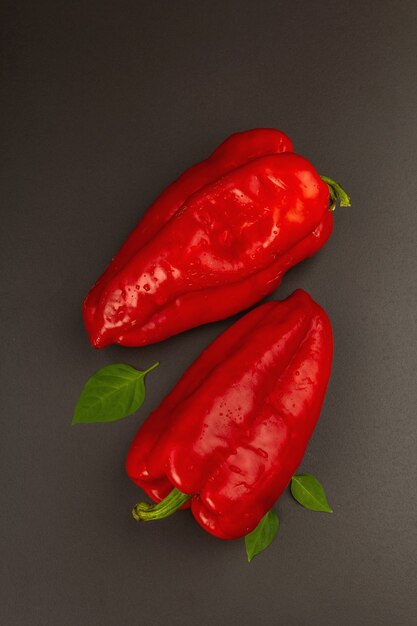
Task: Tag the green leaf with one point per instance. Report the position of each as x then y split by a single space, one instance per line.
263 535
307 490
112 393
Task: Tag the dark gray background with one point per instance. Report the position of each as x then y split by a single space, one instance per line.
103 104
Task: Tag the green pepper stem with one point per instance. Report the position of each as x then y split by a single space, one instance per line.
146 512
337 193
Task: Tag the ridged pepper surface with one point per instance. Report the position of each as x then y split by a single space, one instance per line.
230 435
215 242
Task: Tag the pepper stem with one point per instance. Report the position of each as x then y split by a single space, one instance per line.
337 193
146 512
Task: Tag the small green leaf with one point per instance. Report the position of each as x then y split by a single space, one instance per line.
112 393
307 490
263 535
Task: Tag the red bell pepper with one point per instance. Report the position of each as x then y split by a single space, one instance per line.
231 434
215 242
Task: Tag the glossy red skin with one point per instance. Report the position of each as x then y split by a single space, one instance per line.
215 242
235 428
